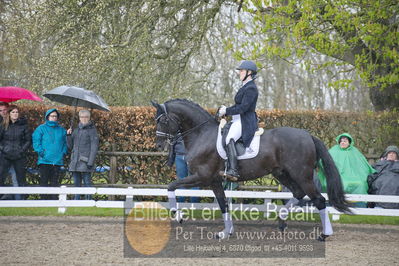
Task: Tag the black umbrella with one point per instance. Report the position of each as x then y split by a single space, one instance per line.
75 96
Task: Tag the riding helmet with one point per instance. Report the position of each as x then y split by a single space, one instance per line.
248 65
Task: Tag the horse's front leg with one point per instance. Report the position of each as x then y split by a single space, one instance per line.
188 182
173 206
228 222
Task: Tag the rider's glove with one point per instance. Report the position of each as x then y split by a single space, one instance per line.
222 111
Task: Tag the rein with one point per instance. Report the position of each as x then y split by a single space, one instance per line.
172 139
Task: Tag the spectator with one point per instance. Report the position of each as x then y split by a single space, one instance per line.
352 166
386 180
83 141
15 140
49 141
182 170
3 110
3 114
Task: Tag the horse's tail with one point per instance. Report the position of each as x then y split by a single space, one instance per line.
335 190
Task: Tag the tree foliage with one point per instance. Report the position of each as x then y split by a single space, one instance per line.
133 51
363 34
129 51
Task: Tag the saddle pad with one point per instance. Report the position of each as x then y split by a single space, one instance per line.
250 152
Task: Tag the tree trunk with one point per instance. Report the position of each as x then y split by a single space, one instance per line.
385 99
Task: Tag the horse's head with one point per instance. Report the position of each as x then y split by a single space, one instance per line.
167 126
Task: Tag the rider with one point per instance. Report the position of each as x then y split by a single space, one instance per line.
244 117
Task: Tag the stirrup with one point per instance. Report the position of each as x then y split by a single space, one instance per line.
229 177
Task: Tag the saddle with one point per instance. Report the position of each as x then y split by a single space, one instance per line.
242 152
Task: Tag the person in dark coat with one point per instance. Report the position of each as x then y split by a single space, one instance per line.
243 115
83 141
49 141
386 180
3 114
15 140
3 110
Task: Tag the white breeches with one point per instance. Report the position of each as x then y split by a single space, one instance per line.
235 131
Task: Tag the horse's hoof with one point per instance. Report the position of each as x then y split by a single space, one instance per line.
322 237
223 235
282 225
178 217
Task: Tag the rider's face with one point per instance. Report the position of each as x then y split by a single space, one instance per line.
243 73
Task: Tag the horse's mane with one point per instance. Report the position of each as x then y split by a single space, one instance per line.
194 105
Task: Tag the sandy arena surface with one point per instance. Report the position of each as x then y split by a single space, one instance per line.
100 240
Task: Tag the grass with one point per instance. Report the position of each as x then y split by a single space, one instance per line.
103 212
71 211
368 219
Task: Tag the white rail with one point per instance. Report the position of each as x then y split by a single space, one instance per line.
62 203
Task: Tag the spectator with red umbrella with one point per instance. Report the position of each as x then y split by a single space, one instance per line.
15 139
3 114
3 110
11 94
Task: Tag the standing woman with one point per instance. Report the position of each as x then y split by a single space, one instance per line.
243 115
15 139
83 142
49 141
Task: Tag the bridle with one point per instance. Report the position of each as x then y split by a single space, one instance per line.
170 138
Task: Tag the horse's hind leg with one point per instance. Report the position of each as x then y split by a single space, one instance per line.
221 198
320 203
297 192
282 217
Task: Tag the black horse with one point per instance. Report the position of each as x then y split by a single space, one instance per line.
290 154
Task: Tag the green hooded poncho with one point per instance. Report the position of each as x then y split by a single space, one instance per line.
352 166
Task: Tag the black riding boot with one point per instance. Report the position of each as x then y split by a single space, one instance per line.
232 165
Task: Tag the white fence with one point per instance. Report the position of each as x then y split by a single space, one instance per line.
62 203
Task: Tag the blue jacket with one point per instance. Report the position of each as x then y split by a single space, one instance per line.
49 141
245 105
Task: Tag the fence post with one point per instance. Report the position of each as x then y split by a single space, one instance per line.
62 197
335 217
266 213
129 204
113 169
230 200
